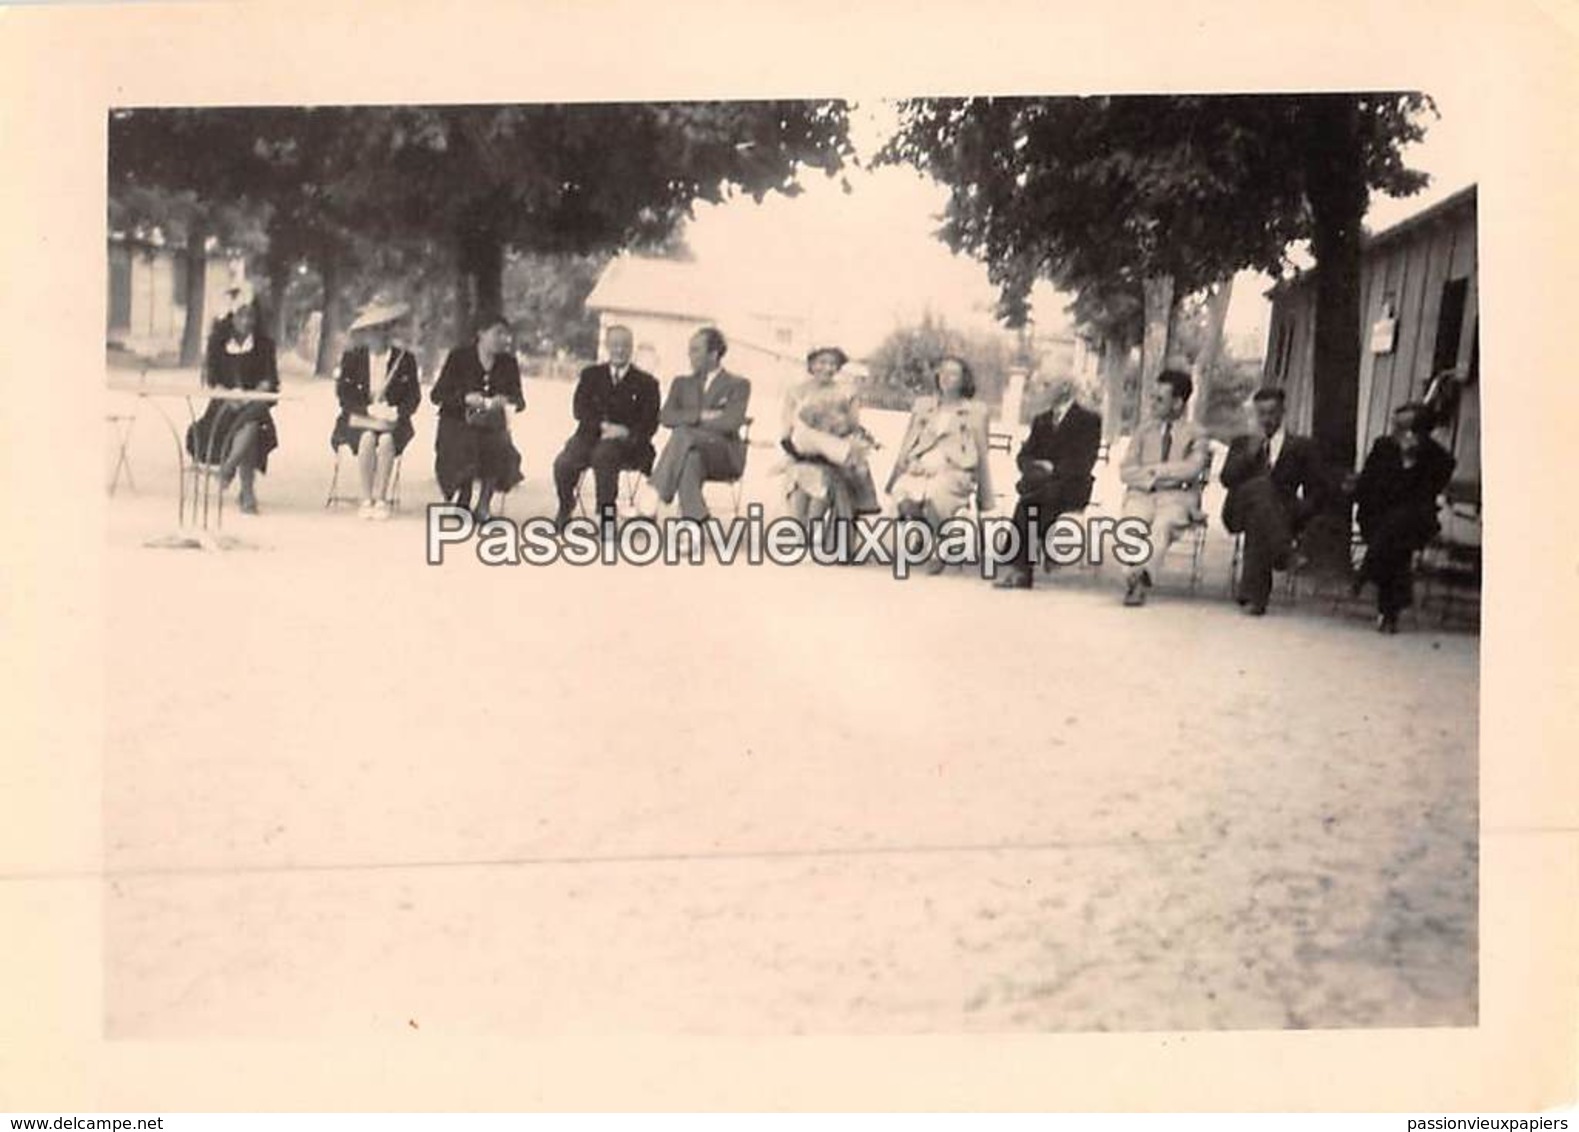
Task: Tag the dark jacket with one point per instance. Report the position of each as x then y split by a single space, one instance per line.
632 403
462 373
1386 485
208 437
1298 469
353 388
1071 446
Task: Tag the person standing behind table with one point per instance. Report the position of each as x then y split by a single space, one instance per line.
239 435
1275 486
1056 462
616 411
705 410
477 386
1396 498
1162 473
379 389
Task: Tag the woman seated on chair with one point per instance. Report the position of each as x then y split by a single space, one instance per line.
378 390
942 460
477 386
826 476
1396 508
237 435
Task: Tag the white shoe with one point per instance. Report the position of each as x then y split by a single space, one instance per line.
365 511
380 511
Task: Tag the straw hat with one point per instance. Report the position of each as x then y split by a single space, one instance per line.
380 314
839 356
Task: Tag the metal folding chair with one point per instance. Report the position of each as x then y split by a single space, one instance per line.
737 484
1291 575
333 497
121 424
631 480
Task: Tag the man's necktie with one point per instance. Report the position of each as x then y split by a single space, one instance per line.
1167 440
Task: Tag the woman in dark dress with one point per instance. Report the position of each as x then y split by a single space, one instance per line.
237 435
379 389
477 387
1396 506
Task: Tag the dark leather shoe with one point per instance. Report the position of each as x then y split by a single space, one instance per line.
1257 609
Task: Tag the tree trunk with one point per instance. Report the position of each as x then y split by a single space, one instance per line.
1154 344
1335 185
488 277
1211 349
481 258
278 270
1115 354
192 332
329 330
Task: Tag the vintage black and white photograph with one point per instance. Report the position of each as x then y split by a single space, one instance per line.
886 566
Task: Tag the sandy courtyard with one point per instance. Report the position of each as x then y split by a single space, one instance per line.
349 793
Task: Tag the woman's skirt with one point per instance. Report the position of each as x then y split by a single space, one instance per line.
466 452
849 491
347 435
937 484
208 438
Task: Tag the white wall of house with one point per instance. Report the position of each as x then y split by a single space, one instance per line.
661 347
146 310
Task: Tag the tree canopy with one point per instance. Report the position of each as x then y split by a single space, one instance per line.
1098 194
1135 202
549 179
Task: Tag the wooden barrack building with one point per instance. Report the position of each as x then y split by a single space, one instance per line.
1418 322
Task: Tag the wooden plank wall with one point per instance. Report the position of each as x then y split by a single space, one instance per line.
1408 272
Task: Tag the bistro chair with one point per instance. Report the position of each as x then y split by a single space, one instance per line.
630 485
121 426
335 495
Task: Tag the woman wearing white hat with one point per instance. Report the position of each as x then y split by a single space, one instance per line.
379 390
826 475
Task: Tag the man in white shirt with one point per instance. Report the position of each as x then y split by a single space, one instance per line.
1276 483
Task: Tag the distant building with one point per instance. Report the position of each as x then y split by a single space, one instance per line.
664 302
146 304
1419 322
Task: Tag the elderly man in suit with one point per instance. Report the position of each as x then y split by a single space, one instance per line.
1163 471
1275 484
706 410
616 411
1055 473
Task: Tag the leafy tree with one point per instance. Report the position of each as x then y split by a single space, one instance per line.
551 179
1134 203
904 363
546 296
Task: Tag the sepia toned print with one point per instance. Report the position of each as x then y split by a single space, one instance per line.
1221 776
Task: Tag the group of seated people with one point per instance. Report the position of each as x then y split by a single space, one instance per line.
1275 479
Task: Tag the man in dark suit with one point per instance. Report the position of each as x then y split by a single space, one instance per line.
616 411
1055 474
1275 483
706 410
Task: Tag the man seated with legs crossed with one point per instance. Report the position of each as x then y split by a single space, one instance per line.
1162 474
705 410
616 411
1055 474
1275 484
